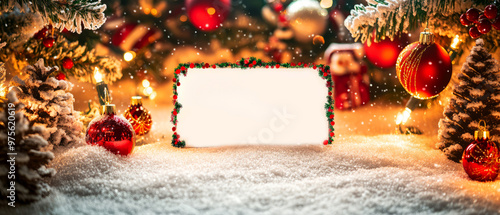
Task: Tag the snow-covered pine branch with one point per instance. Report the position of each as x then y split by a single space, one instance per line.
31 157
16 28
49 103
73 15
388 18
84 60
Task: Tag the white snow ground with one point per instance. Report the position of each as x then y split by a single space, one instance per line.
367 170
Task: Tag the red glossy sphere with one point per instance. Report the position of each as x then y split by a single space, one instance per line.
48 42
484 26
480 160
383 54
113 132
490 11
207 15
474 32
61 76
464 20
472 14
67 63
424 70
496 24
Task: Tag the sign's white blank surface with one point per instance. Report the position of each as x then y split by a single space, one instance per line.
252 106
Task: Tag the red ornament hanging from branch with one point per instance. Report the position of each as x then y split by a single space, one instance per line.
384 54
424 67
207 15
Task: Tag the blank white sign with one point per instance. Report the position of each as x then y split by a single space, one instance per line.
227 106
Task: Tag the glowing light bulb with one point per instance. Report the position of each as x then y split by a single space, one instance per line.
97 75
128 56
403 117
455 42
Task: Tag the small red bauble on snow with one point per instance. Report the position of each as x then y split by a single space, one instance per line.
207 15
424 67
61 76
48 42
67 63
111 131
480 159
138 116
490 11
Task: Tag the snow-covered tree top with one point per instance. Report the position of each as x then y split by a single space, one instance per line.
73 15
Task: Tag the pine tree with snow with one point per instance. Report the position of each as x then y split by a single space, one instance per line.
476 97
49 102
30 159
32 30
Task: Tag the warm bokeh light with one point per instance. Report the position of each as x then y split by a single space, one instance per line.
153 95
183 18
97 75
326 3
148 91
154 12
128 56
211 11
145 83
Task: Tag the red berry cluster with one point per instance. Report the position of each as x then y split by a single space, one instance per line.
481 21
46 36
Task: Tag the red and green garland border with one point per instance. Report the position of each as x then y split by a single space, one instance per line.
249 63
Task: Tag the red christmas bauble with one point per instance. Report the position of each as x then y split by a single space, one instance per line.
42 33
133 36
138 116
383 54
490 11
61 76
424 68
207 15
496 24
464 20
474 32
484 26
480 159
48 42
67 63
472 14
111 131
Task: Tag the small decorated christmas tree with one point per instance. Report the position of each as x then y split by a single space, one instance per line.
49 102
476 97
26 146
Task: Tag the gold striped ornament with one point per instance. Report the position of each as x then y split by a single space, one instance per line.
424 67
138 116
